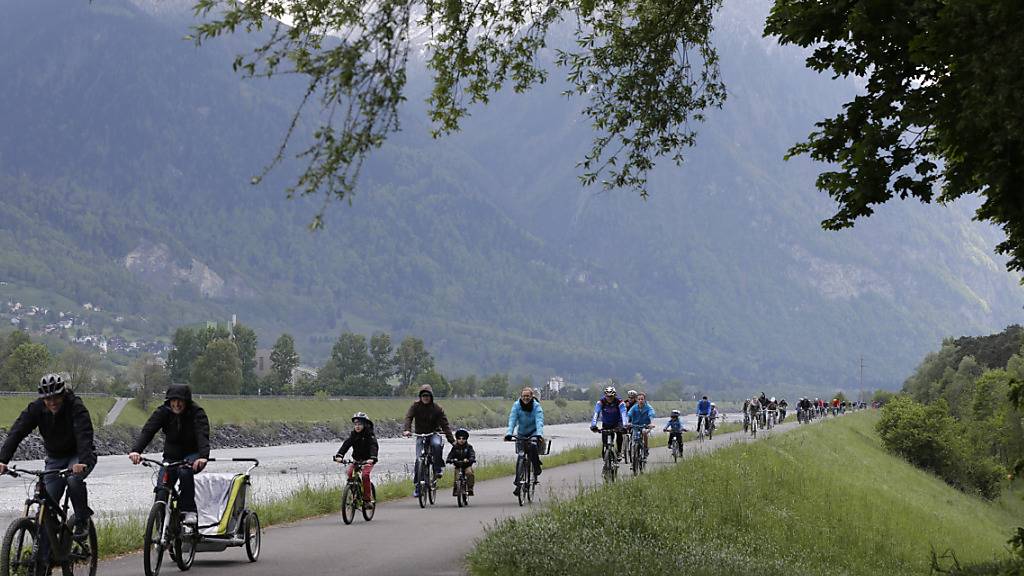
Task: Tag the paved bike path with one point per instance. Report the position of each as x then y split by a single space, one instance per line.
403 538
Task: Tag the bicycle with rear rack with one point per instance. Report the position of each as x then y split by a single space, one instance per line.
235 525
352 497
425 479
42 538
526 482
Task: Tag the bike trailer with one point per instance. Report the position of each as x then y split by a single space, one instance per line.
220 498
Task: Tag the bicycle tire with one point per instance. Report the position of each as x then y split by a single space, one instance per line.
253 536
368 512
459 489
432 491
82 556
152 547
635 457
348 505
520 473
15 538
421 485
184 551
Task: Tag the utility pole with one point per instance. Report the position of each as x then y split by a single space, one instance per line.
862 373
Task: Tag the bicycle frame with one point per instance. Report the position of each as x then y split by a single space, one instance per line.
426 459
47 508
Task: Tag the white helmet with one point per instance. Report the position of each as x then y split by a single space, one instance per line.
609 390
773 399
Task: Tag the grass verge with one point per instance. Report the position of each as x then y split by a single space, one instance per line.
824 499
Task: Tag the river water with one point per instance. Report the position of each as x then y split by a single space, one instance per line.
119 489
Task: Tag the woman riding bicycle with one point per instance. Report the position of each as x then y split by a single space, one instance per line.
364 447
640 417
526 418
186 438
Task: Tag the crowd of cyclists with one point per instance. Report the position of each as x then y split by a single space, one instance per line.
66 428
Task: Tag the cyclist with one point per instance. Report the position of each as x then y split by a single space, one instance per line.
630 400
363 443
66 428
746 414
782 410
612 412
712 418
755 409
429 418
462 455
527 418
703 411
640 416
763 401
675 428
186 437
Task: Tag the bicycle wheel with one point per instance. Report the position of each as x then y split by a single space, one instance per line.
184 550
253 536
635 457
152 546
18 554
82 559
465 494
421 483
432 490
522 476
369 509
348 504
460 490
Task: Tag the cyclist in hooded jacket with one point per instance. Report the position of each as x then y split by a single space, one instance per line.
612 412
640 416
186 437
363 443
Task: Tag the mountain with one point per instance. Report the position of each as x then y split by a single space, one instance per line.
125 162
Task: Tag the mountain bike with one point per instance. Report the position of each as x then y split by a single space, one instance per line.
42 540
352 497
426 481
675 447
639 458
609 455
164 525
460 488
526 482
702 427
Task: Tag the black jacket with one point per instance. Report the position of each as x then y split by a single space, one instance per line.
428 418
462 453
363 444
184 434
66 433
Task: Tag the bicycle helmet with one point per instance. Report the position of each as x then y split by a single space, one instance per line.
773 399
712 404
462 433
675 412
631 393
51 385
609 390
360 416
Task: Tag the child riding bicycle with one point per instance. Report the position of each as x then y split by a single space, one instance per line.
463 456
364 447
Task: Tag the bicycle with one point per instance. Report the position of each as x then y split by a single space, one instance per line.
526 482
164 529
352 497
702 427
426 482
675 446
754 423
460 489
38 542
627 449
639 452
609 455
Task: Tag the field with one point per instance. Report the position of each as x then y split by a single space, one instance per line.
825 499
11 407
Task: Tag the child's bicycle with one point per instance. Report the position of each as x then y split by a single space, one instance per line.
42 540
675 446
224 519
352 497
460 488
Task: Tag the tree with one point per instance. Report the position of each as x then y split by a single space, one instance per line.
150 377
940 112
245 340
25 366
437 382
411 360
382 361
351 356
11 343
494 385
79 365
647 69
284 359
218 369
189 344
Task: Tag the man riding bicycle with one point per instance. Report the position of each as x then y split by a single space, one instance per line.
66 428
630 400
429 418
703 414
526 418
186 438
612 412
640 417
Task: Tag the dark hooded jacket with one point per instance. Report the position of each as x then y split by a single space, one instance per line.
184 434
363 444
462 453
428 418
66 433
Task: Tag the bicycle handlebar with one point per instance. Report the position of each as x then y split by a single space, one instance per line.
14 472
151 462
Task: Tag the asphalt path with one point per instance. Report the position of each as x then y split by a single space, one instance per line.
403 538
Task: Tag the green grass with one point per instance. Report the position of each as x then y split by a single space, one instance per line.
247 411
11 407
825 499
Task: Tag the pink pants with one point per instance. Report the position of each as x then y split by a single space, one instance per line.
367 468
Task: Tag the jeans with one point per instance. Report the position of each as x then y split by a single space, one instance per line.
436 446
75 484
186 485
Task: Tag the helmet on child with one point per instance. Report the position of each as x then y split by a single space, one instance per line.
360 417
462 433
675 413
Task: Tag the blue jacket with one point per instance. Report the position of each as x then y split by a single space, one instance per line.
704 407
674 425
640 416
612 414
529 422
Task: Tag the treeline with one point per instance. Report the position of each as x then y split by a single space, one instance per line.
960 412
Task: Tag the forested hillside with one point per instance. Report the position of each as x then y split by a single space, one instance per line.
126 155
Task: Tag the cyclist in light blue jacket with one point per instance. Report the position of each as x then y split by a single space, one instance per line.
527 419
640 417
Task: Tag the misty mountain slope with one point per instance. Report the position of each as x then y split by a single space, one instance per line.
124 169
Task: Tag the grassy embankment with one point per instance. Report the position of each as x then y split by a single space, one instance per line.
826 499
11 407
123 536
